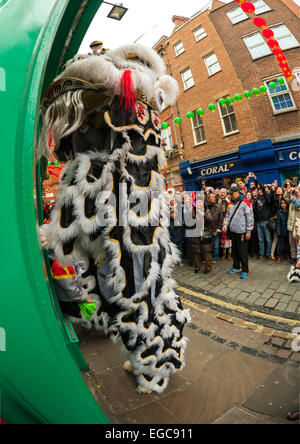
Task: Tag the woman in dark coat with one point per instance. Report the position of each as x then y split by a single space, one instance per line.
202 246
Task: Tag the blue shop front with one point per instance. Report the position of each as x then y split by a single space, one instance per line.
269 159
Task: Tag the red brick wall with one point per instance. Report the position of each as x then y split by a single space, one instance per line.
207 89
252 73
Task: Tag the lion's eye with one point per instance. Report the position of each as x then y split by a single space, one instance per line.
139 60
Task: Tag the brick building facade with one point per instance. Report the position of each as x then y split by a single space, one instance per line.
218 53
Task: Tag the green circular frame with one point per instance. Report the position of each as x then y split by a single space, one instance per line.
40 360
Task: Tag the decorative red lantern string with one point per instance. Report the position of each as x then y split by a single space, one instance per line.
269 35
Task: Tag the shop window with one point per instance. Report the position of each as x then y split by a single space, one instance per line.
178 48
198 129
236 15
212 63
257 45
166 139
199 33
281 98
284 37
187 78
261 7
229 122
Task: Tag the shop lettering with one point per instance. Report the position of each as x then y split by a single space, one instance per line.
295 155
2 340
215 170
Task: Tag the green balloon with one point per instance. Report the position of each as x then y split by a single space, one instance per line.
272 85
200 112
165 125
212 107
190 115
222 102
256 92
247 94
280 80
263 89
229 100
238 97
178 120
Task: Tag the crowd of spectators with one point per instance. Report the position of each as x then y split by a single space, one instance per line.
250 219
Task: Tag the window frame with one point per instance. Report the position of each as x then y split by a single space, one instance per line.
281 93
184 81
263 43
168 139
226 115
209 66
203 36
265 4
181 51
242 13
296 45
194 128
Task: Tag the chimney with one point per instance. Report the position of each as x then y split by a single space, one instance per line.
178 20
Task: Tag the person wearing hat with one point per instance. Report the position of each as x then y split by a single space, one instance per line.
238 224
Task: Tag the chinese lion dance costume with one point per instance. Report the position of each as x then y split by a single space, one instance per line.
102 114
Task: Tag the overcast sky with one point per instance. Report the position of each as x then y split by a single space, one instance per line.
146 20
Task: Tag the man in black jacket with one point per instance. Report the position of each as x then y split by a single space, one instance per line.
262 209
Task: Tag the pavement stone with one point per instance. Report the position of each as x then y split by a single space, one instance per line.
242 296
272 303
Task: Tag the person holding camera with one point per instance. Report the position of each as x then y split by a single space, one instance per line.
238 225
293 224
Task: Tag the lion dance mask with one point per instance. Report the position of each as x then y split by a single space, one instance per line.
103 116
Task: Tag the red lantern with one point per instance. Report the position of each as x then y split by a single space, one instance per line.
273 43
248 7
268 33
259 22
281 58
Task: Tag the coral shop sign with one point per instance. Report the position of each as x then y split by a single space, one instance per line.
211 171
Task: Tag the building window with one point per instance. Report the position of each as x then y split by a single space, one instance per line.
166 139
178 48
187 78
198 129
284 37
237 15
257 45
212 63
199 33
281 98
260 7
228 119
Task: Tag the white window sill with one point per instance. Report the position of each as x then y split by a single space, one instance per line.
231 134
211 75
189 88
199 40
178 55
267 55
233 24
283 111
201 143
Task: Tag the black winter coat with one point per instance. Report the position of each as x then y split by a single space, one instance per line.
281 223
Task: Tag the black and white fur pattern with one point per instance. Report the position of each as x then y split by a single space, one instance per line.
128 258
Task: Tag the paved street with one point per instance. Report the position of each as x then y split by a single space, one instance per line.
266 287
240 363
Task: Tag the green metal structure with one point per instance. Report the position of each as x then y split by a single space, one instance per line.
40 361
